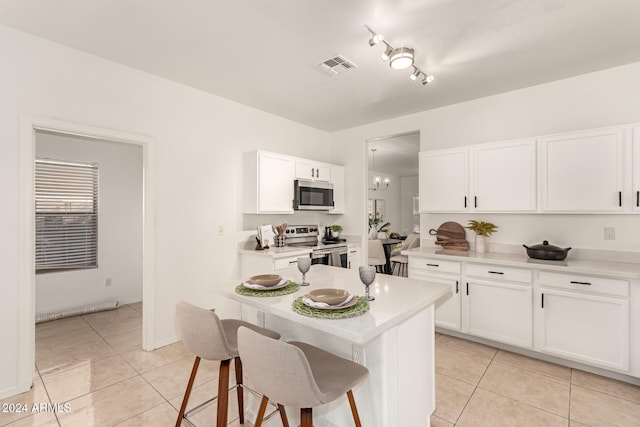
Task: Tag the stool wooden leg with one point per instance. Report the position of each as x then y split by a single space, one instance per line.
306 417
283 416
261 411
223 393
354 409
239 389
187 392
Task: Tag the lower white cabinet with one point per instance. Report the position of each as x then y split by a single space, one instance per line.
353 257
253 264
447 313
498 311
585 319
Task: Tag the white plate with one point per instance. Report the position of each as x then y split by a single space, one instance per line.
282 284
351 303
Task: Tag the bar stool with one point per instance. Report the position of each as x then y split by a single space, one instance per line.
298 375
376 255
402 261
210 338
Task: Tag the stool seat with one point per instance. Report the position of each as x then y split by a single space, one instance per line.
297 374
210 338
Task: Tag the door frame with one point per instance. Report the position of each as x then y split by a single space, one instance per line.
28 125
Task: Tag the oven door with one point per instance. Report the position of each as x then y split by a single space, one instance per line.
324 256
312 196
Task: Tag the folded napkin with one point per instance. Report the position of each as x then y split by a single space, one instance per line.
254 286
318 304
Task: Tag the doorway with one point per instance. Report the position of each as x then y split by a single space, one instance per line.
393 184
29 127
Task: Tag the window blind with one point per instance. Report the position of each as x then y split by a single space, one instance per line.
66 215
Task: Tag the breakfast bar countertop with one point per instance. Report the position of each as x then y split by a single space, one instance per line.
397 299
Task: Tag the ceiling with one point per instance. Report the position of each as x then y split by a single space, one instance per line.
395 155
264 53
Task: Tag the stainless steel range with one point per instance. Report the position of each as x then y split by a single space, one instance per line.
324 251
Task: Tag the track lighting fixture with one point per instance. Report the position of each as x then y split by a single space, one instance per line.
399 58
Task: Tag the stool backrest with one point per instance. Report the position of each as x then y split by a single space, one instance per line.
278 370
375 249
202 332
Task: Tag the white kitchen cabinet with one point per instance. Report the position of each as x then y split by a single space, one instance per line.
496 305
252 264
447 313
337 179
504 177
635 189
583 171
353 257
444 177
268 183
313 171
584 319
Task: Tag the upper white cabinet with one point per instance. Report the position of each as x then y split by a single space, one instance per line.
583 171
635 189
268 183
504 177
337 179
444 180
497 177
313 171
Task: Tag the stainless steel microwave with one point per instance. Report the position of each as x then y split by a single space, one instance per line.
312 195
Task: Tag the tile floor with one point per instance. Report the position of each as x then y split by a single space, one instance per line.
94 364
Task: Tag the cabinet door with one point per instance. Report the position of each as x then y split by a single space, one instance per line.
583 172
444 180
313 171
636 169
337 179
353 258
504 177
498 311
447 312
587 328
275 183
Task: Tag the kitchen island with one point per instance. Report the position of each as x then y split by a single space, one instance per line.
394 340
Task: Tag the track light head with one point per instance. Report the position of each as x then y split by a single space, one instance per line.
428 78
415 74
375 39
387 53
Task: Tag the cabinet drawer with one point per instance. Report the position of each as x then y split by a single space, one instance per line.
498 272
282 263
585 283
434 265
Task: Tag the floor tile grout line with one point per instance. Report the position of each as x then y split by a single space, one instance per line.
44 386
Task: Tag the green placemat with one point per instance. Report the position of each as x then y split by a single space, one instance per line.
361 307
289 289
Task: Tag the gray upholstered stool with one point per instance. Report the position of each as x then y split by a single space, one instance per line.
297 374
376 255
210 338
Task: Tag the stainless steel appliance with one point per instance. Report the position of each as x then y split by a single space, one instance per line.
312 195
328 252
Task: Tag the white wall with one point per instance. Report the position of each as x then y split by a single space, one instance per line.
391 196
199 141
119 227
408 190
604 98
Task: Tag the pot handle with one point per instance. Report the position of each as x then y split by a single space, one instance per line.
567 250
526 246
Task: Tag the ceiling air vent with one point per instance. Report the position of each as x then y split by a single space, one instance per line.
336 65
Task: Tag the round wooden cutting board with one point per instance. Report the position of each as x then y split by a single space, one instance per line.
451 235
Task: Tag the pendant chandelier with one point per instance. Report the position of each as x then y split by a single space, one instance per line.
378 182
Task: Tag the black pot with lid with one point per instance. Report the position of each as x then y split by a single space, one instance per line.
547 251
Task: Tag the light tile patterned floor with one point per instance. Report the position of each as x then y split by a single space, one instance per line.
95 364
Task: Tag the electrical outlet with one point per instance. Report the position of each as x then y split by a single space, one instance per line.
609 233
357 354
220 230
107 282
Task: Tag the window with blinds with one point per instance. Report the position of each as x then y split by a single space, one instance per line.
66 215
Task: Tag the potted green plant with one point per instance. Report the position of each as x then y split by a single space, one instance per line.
483 230
377 225
335 230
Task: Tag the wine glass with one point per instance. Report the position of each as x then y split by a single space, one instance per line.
367 275
304 264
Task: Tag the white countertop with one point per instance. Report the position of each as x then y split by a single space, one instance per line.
287 251
611 269
397 299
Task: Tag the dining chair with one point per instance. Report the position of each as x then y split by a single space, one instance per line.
402 261
376 255
210 338
297 374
